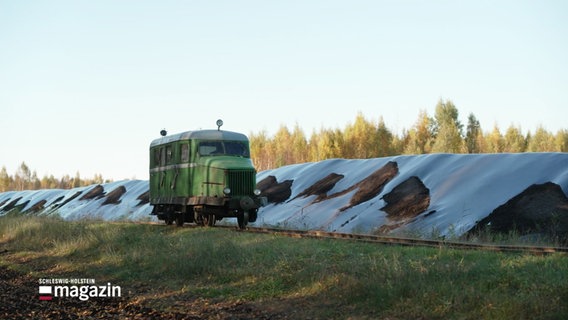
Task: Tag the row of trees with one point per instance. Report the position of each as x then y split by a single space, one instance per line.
25 179
442 133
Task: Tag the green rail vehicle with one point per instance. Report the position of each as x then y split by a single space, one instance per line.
202 177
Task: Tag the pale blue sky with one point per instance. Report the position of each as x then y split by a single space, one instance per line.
86 85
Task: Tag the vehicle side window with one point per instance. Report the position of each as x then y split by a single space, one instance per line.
162 157
169 154
156 157
184 151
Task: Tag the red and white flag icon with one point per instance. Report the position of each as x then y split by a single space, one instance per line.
45 293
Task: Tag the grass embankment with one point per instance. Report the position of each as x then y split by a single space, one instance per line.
162 266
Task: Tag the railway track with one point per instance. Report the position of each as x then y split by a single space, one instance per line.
398 241
401 241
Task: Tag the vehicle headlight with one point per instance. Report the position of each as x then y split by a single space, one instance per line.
257 192
227 191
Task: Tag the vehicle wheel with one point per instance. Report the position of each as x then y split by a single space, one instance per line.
198 219
208 220
242 220
179 220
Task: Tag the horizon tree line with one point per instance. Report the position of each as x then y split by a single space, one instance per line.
362 139
26 179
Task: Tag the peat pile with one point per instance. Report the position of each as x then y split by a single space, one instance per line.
541 209
445 194
110 201
365 189
373 185
274 191
428 195
404 203
321 187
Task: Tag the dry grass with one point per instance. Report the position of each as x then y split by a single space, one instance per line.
315 278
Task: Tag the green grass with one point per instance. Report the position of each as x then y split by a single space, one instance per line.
325 278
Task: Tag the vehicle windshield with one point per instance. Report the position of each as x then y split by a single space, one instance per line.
223 148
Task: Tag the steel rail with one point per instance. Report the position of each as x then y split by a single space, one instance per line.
402 241
389 240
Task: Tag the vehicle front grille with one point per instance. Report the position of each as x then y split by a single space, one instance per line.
241 182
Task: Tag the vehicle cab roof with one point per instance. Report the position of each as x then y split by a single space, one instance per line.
201 135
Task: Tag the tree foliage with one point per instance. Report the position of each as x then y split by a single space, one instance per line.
448 130
473 136
542 140
514 141
420 138
26 179
365 138
361 139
